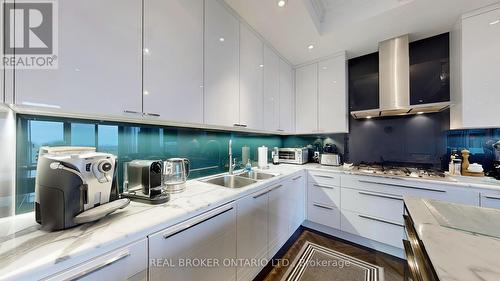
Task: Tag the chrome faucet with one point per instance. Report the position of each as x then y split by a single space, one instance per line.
232 162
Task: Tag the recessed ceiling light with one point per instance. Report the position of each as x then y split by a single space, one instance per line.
261 65
310 47
281 3
222 39
420 113
146 93
368 117
146 51
494 22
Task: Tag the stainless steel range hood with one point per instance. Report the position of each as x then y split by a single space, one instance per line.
394 83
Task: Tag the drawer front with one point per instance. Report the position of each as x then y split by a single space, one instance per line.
323 178
209 237
490 200
324 194
381 205
418 189
127 263
371 227
322 214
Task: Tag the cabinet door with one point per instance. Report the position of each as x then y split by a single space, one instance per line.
306 99
251 233
286 98
332 99
211 236
271 89
99 61
279 217
173 59
480 71
127 263
298 201
221 65
251 79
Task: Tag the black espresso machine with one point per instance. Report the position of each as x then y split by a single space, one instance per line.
75 185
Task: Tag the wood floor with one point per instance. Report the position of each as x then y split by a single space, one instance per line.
393 267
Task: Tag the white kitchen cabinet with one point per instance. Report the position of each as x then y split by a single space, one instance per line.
271 89
306 99
286 98
126 263
490 199
474 69
210 237
252 228
99 61
279 219
251 99
332 95
323 199
297 202
173 59
221 67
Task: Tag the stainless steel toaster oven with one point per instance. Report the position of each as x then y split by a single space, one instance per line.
293 155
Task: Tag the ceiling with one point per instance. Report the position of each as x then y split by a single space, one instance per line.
355 26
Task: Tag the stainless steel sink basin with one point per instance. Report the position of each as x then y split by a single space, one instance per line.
257 175
231 181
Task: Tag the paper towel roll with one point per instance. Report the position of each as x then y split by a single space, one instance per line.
262 155
245 155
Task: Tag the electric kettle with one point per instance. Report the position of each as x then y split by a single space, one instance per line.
175 174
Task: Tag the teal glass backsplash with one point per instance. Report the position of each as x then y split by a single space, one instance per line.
207 150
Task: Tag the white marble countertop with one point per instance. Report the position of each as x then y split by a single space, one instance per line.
456 254
25 248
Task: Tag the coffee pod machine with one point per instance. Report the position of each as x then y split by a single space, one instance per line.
75 185
143 182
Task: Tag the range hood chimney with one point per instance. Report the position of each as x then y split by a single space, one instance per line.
394 83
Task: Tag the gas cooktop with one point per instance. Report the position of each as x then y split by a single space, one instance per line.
400 171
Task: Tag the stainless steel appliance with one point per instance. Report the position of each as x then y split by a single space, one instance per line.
75 185
293 155
143 182
330 159
175 174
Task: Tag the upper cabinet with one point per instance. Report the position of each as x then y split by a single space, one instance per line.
332 95
221 68
99 61
306 99
286 98
173 60
251 99
321 97
474 67
363 82
271 89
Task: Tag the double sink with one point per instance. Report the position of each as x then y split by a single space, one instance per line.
240 180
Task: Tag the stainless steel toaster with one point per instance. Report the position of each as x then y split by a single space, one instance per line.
330 159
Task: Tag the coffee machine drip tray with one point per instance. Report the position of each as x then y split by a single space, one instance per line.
475 220
153 200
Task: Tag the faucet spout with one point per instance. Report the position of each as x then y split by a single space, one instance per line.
231 164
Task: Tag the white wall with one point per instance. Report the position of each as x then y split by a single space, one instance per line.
7 161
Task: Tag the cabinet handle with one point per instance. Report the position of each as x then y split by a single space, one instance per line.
492 197
261 194
322 206
152 114
203 218
297 178
381 195
403 186
280 130
325 177
276 187
380 220
132 112
324 186
108 262
240 125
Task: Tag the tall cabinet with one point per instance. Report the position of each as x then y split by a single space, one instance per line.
173 60
99 61
321 97
251 96
221 67
475 42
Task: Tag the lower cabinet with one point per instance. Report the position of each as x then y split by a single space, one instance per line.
265 221
126 263
490 199
201 248
323 193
